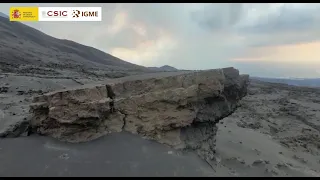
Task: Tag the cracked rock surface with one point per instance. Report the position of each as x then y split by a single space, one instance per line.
179 109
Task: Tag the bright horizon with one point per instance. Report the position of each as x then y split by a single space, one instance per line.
266 40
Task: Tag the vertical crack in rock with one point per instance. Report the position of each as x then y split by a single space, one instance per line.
124 119
112 96
180 110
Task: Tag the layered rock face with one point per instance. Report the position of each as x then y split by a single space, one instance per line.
177 109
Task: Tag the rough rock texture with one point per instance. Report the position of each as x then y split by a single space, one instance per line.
275 132
178 110
289 114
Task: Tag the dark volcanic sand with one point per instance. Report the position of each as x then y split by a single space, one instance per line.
119 154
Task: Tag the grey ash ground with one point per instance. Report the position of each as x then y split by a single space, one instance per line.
119 154
274 133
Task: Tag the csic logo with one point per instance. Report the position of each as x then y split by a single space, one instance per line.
55 13
16 15
77 13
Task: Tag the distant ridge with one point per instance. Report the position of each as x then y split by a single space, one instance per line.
3 15
164 68
309 82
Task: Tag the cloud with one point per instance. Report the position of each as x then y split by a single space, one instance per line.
202 36
264 24
218 16
291 53
286 18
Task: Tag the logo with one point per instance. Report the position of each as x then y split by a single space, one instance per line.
23 14
16 14
70 14
78 13
54 13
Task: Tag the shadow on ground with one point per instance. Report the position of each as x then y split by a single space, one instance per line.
118 154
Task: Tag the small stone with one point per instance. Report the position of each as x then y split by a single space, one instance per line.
257 162
281 165
242 161
64 156
257 151
274 172
290 164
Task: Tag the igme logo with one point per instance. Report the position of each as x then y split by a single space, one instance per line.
78 13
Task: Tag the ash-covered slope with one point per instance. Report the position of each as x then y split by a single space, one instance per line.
25 50
179 109
3 15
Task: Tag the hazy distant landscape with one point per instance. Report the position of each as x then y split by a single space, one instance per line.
315 82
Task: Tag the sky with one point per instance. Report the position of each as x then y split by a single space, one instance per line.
260 39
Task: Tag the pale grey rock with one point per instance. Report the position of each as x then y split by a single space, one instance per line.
178 110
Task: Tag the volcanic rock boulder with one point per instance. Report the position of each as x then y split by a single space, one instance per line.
177 109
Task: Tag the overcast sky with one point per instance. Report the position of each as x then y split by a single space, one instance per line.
269 40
